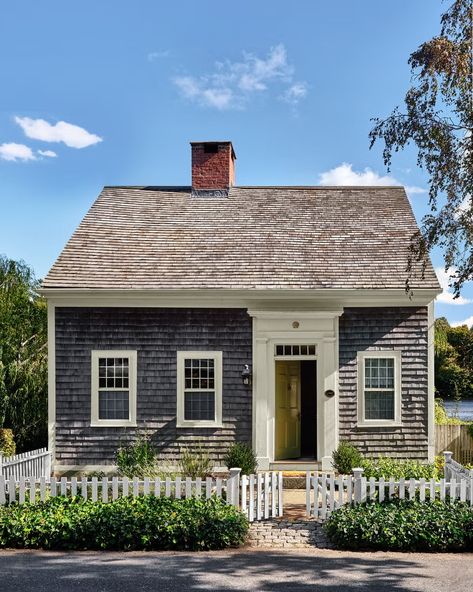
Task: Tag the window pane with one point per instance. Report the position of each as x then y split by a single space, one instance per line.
197 373
113 405
199 406
379 373
113 372
379 405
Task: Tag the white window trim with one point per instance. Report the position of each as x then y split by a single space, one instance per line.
132 361
379 423
217 357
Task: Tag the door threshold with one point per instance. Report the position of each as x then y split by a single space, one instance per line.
295 465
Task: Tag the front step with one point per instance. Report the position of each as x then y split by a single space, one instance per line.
295 465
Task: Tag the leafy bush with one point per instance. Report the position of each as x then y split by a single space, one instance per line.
401 525
195 463
23 356
141 523
137 459
241 455
439 463
441 415
346 458
391 467
7 443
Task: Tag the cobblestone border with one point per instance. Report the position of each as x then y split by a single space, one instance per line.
283 533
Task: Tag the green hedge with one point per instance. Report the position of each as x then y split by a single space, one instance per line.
127 523
384 466
401 525
347 457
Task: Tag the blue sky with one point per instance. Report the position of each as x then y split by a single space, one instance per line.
111 92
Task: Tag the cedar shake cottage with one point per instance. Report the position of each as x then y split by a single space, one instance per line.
218 313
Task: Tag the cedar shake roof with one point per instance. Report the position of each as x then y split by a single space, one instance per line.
256 238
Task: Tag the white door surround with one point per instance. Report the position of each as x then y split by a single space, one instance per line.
304 327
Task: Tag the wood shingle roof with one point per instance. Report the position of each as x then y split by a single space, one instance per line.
256 238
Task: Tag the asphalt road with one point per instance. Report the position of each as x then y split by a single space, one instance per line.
247 569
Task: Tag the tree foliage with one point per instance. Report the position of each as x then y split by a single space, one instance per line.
453 360
438 120
23 355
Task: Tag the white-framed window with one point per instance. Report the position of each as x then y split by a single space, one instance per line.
113 401
379 388
199 389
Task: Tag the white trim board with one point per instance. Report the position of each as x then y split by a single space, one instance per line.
52 380
271 328
263 300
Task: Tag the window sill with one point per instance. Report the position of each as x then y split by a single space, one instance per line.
113 424
378 424
198 424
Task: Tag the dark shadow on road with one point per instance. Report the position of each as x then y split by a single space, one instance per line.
225 571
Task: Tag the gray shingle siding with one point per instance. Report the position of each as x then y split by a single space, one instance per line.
156 334
403 329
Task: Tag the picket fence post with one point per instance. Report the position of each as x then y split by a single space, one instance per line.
1 465
47 468
233 487
447 473
358 476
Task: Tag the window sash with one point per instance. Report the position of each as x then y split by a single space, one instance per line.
207 366
388 373
126 370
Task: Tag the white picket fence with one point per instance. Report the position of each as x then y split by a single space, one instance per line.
454 470
326 492
34 463
259 497
262 495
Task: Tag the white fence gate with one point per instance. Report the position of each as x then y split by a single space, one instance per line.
258 496
326 492
35 463
454 470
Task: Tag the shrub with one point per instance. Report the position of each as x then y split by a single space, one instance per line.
346 458
391 467
195 463
137 459
441 415
7 443
401 525
141 523
241 455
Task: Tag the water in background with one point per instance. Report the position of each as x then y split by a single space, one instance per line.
461 409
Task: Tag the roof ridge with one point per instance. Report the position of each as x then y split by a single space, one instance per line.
321 187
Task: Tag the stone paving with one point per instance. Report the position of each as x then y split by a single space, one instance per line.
294 530
286 533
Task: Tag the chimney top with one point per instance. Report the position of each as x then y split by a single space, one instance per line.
213 168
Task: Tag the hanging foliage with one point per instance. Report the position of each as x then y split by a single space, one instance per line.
23 355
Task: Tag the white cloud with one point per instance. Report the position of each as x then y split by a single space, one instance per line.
446 297
232 84
295 93
71 135
14 152
345 175
468 322
49 153
156 55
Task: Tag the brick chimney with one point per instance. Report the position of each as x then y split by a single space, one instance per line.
213 168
